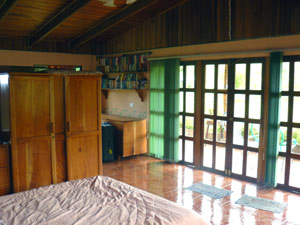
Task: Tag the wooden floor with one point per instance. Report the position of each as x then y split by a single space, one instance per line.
169 180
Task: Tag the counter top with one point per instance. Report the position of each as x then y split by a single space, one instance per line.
119 118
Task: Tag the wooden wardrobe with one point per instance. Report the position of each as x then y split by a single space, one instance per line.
55 128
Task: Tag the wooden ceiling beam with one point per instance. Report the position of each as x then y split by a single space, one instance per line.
56 20
111 21
5 6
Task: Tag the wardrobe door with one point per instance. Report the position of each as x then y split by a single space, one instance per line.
32 131
83 124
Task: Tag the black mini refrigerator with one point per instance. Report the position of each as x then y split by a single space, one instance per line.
108 139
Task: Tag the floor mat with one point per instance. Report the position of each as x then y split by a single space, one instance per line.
209 190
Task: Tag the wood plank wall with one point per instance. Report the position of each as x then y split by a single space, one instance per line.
206 21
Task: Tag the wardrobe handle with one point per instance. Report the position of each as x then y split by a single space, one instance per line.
51 128
68 126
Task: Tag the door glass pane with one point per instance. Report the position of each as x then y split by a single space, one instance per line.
238 133
189 126
237 161
180 125
220 158
252 163
297 77
240 76
190 76
285 76
239 105
189 151
221 131
208 129
222 105
181 101
284 107
255 76
181 76
190 102
296 141
207 155
209 103
280 169
294 173
222 77
282 139
253 135
296 114
210 76
180 149
254 106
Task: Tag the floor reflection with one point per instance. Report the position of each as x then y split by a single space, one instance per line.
169 180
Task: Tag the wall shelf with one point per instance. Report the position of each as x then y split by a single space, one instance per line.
141 92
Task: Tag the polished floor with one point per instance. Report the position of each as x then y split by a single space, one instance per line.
169 180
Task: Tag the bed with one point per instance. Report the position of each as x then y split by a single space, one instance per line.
95 200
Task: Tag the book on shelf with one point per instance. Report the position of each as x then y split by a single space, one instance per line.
125 81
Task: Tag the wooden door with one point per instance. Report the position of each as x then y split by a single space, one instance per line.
83 123
32 129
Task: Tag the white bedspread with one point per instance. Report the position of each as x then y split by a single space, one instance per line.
96 200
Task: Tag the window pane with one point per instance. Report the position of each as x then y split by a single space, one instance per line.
189 126
180 150
181 76
285 76
255 76
296 114
221 131
253 135
209 103
294 173
284 108
296 141
189 151
222 105
240 76
222 77
297 77
239 105
238 133
208 129
207 155
190 102
180 125
190 76
252 162
181 101
220 158
280 169
282 139
210 76
254 106
237 161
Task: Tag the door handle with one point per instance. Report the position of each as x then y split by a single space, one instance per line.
51 128
68 126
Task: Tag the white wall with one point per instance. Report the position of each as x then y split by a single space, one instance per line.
27 58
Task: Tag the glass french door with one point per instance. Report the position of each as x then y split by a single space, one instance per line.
288 164
232 99
187 113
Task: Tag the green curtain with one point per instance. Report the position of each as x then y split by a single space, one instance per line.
273 118
164 109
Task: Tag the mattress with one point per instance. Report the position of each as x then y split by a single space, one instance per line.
96 200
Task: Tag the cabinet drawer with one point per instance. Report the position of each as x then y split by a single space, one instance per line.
4 176
4 157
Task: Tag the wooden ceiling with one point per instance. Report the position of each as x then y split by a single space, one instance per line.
74 22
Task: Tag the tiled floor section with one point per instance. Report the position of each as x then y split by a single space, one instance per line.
169 180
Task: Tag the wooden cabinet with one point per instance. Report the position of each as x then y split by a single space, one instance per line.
131 134
4 170
32 127
55 128
83 122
